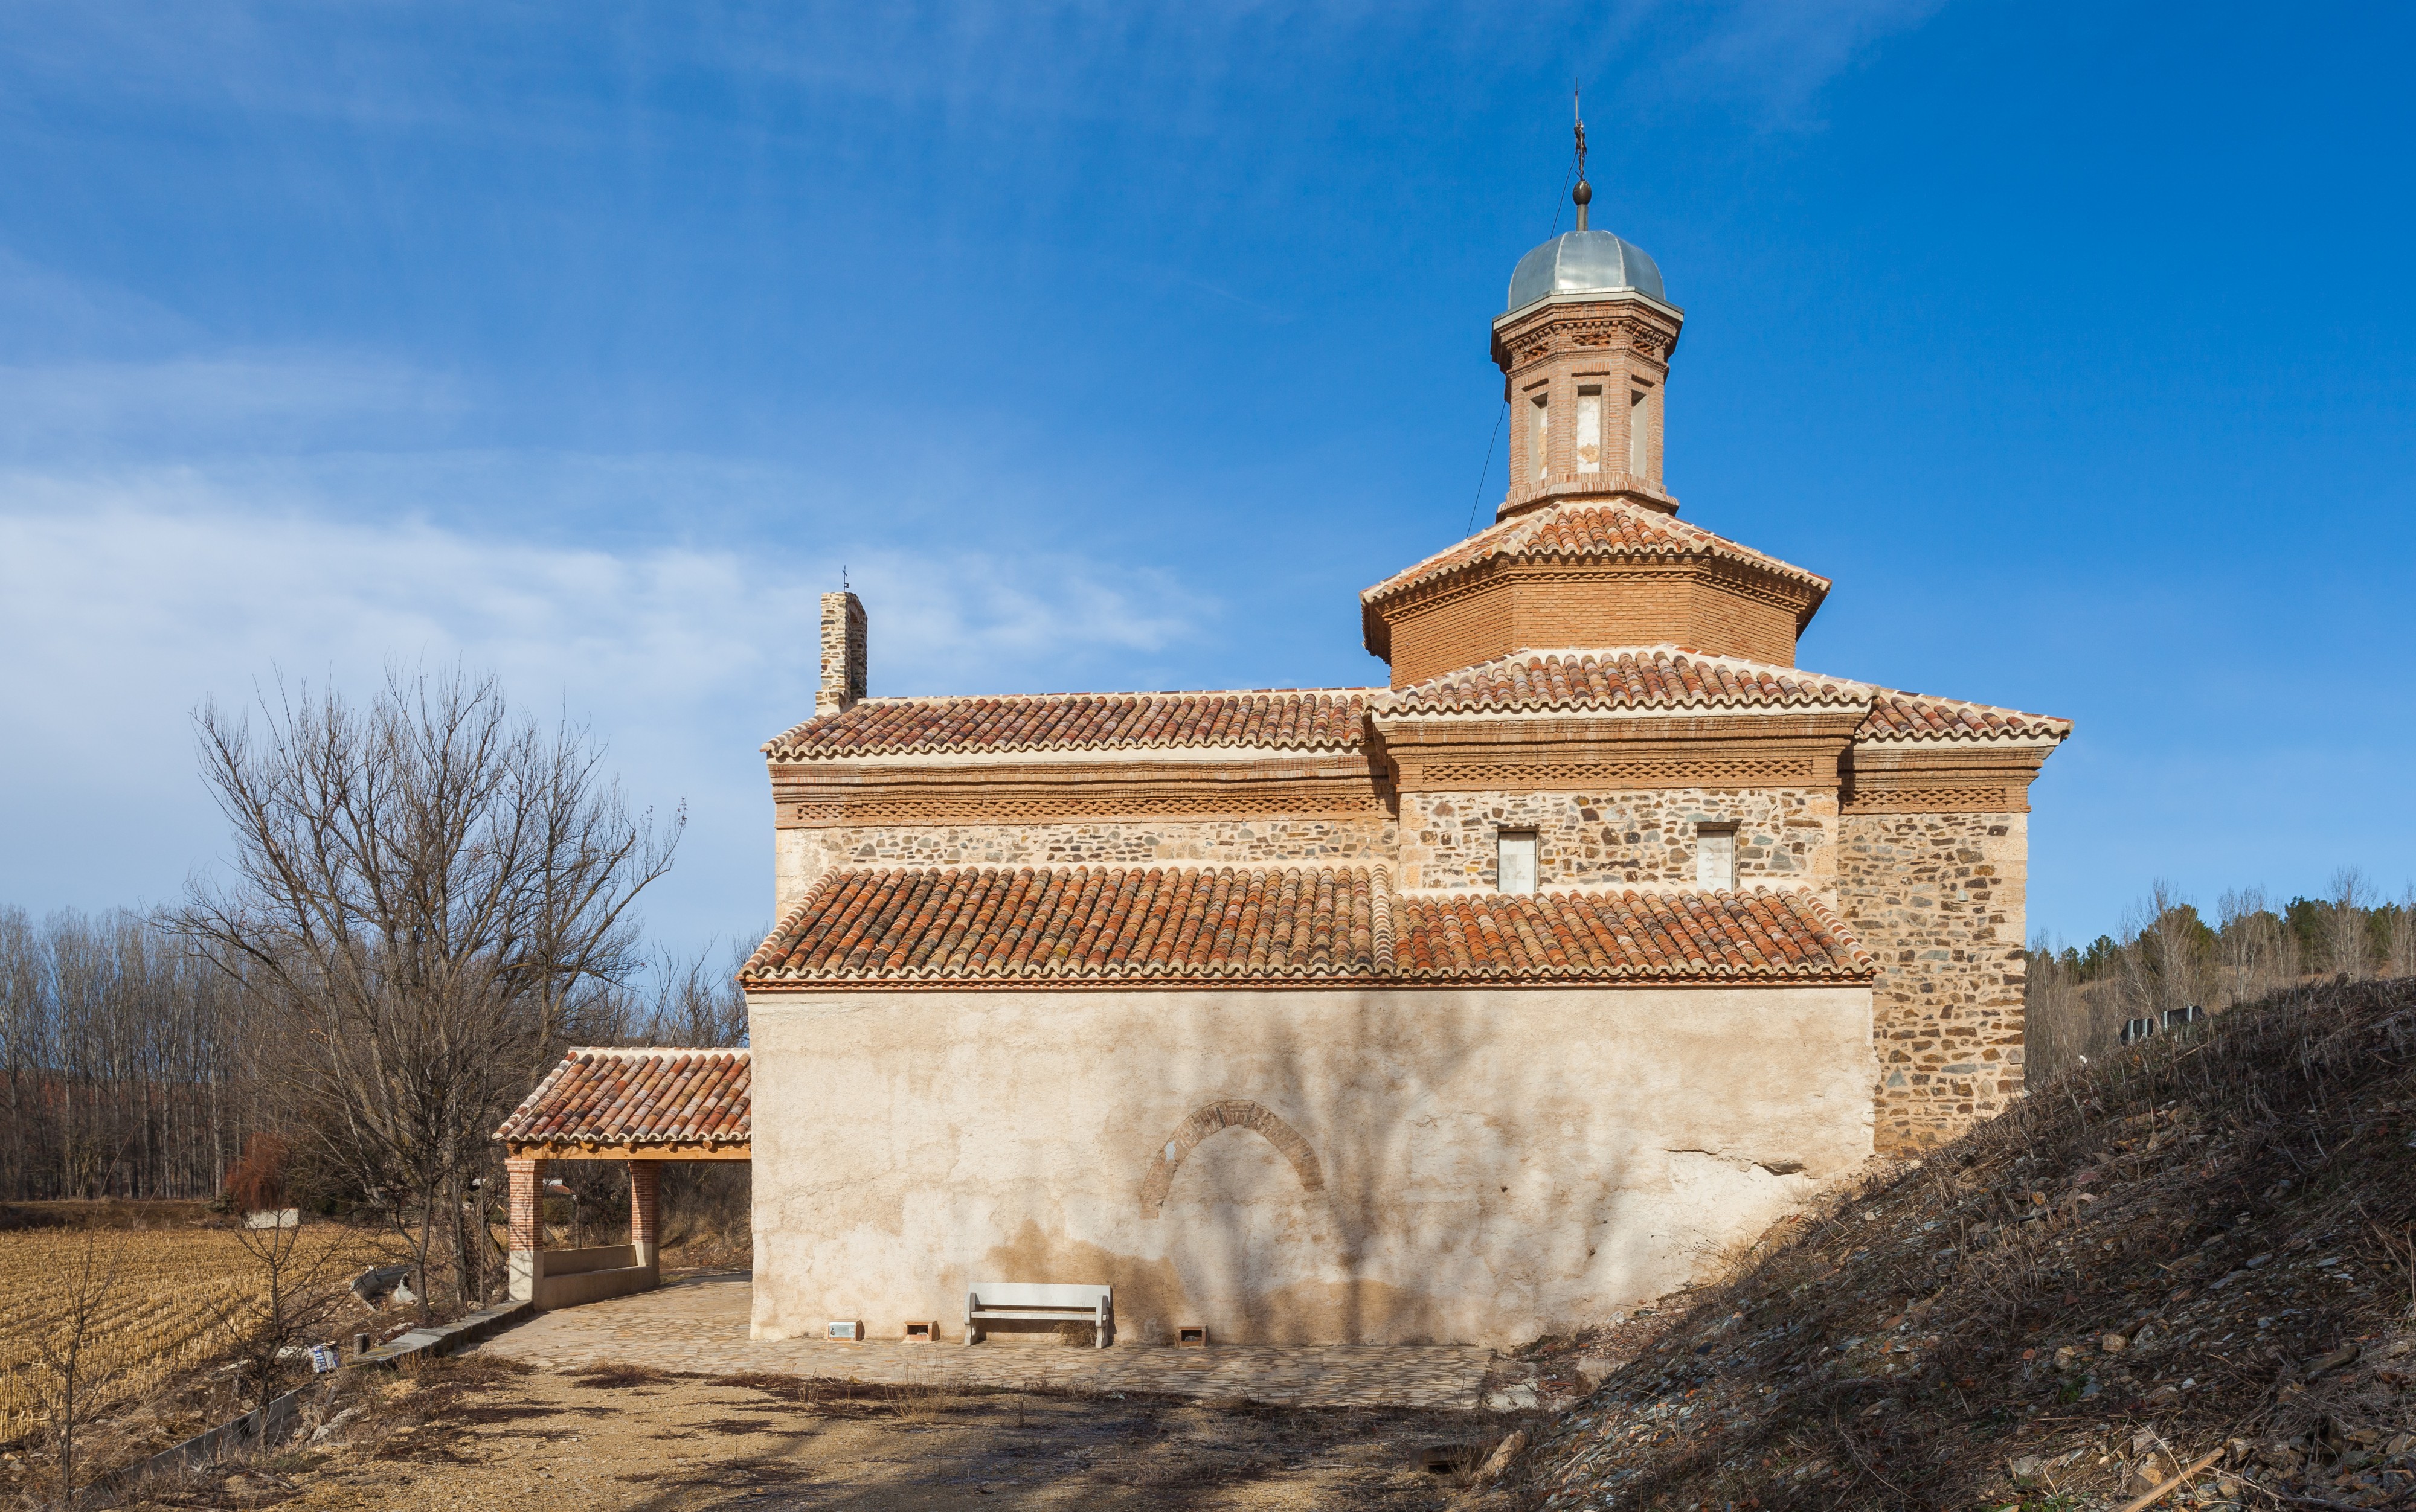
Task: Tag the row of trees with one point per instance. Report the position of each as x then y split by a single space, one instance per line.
2169 958
119 1061
428 897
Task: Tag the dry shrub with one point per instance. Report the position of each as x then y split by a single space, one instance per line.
257 1183
797 1389
922 1398
1077 1335
609 1375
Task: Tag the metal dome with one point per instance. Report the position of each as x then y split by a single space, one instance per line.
1583 262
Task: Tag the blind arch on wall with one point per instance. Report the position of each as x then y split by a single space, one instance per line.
1230 1113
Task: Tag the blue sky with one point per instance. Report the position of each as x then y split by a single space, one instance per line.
1117 346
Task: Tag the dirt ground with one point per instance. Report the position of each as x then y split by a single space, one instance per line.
481 1432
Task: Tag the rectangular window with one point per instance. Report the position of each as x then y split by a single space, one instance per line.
1590 429
1716 857
1514 861
1636 450
1539 429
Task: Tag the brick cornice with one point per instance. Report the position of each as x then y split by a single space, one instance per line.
1531 587
1789 748
599 1150
1953 777
1743 579
1606 323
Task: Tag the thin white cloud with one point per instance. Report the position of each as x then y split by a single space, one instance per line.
246 401
132 597
1781 53
984 64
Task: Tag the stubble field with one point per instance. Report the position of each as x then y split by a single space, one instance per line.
166 1296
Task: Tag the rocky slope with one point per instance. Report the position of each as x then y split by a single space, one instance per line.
2200 1258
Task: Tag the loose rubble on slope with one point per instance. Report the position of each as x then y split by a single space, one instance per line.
2197 1263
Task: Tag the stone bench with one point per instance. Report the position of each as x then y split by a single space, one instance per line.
1040 1301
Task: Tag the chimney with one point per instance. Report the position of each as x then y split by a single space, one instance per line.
842 655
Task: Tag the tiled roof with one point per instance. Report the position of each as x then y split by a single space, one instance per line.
637 1097
1606 529
1638 676
1647 677
1914 716
1068 923
1265 718
1167 926
1762 935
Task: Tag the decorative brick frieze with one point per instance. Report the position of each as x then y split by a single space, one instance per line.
1941 777
1785 836
1682 750
1703 771
1938 898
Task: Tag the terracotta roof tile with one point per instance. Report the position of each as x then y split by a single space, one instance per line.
1762 935
1607 528
1176 926
1638 677
1070 923
637 1097
1266 718
1914 716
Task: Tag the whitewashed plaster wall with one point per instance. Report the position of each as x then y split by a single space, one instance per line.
1480 1166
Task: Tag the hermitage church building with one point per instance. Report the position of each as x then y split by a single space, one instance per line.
1463 1009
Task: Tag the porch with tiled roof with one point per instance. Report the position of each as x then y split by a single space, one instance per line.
637 1106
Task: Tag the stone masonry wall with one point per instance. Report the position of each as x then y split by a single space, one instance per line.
1785 836
802 856
1938 898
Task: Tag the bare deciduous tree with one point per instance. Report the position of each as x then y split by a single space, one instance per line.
2170 963
115 1048
2345 928
428 896
2256 953
298 1287
72 1373
2399 939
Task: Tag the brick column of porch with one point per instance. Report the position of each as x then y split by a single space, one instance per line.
645 1184
527 1226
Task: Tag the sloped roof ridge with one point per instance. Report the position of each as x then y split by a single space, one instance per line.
1899 716
791 740
1797 688
1289 921
1284 921
1527 534
654 1095
1770 934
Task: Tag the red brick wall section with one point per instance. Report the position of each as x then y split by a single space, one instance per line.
1938 898
1638 607
527 1204
645 1182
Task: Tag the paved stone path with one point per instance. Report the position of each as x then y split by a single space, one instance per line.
699 1324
